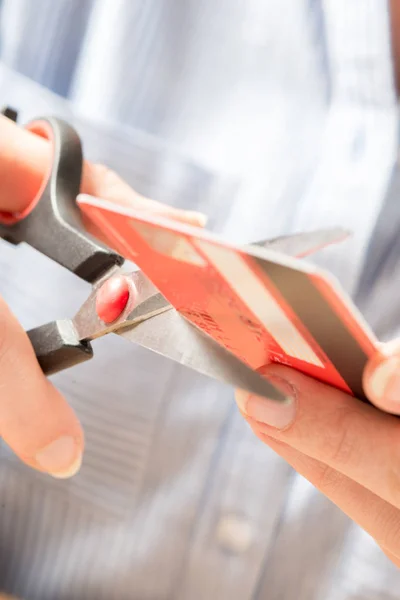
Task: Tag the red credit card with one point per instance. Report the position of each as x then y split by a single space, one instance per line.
261 305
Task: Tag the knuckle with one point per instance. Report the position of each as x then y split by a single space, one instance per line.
106 178
101 170
328 480
343 444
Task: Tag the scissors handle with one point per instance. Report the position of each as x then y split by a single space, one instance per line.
58 347
54 227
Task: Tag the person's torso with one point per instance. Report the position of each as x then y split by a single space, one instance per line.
257 114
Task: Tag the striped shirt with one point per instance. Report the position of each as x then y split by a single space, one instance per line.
271 116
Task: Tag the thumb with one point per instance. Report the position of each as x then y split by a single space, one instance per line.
35 420
382 378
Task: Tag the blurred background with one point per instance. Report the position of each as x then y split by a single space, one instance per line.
271 116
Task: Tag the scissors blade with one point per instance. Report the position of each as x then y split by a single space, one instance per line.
150 321
149 302
172 336
304 244
144 302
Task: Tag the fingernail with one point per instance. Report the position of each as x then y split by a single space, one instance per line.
198 218
61 459
275 414
384 382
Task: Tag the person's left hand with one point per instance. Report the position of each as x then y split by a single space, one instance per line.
36 421
347 449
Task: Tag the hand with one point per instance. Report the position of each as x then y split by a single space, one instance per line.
35 420
347 449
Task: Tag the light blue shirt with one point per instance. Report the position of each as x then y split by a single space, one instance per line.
271 116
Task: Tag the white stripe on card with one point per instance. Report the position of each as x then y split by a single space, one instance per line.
168 243
260 301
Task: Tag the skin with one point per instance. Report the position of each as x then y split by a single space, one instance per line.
35 420
348 450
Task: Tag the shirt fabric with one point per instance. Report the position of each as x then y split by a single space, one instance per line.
271 116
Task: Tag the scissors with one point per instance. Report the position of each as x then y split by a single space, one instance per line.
126 303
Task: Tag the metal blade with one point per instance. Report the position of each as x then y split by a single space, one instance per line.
148 302
172 336
144 303
304 244
150 321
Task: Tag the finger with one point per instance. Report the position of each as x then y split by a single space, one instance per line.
35 421
376 516
340 431
24 162
101 182
382 378
392 557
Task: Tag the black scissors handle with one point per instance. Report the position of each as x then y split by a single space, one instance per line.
54 227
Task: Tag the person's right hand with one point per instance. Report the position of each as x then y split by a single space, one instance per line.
35 420
347 449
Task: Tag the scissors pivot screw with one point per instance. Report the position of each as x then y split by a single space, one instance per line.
112 298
